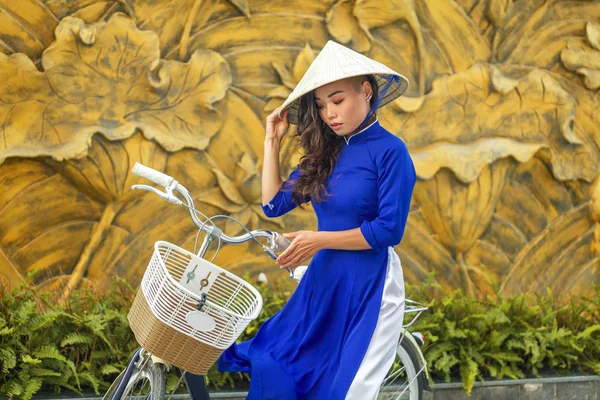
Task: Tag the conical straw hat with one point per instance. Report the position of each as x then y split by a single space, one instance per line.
336 62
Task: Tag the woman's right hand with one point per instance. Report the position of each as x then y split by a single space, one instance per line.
277 127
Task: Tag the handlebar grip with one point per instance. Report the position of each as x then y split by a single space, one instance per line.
151 174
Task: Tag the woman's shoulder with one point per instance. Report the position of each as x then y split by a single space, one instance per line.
385 142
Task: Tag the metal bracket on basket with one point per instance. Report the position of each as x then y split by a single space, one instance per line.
201 302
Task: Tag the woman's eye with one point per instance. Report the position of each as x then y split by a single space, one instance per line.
338 102
319 107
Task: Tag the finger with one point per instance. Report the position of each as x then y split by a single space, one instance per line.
285 116
290 234
284 256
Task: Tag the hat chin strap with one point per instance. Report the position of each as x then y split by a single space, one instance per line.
382 92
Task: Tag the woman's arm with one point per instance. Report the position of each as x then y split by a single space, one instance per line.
271 178
276 128
306 244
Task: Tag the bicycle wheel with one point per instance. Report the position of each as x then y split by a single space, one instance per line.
406 379
147 381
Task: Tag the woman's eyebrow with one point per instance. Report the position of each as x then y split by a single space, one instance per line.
331 94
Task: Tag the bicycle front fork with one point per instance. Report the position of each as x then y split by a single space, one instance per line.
196 385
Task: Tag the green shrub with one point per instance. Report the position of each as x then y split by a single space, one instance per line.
514 337
85 343
81 344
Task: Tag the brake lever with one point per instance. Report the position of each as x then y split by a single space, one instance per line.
165 196
277 242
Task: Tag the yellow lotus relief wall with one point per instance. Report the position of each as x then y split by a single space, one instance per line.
501 118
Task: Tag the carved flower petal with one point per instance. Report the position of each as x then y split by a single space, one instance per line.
229 188
280 91
303 61
246 169
216 198
593 33
285 75
242 5
343 25
578 57
591 77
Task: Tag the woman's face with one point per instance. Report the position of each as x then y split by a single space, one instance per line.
344 104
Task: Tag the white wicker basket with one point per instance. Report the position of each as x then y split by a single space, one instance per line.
165 308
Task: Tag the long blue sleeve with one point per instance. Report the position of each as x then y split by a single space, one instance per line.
396 178
282 203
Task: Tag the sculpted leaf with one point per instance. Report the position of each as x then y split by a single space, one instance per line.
107 77
469 119
583 59
26 29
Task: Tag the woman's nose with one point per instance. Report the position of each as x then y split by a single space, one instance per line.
331 113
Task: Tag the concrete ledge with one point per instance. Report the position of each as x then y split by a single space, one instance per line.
571 387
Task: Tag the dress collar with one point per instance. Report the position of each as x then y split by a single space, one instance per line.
371 127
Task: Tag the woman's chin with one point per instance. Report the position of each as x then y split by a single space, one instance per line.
343 131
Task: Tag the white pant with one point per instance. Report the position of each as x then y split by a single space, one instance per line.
382 348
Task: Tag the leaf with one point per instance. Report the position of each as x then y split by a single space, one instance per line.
499 11
454 32
27 29
475 122
344 27
538 31
229 188
107 77
285 75
32 387
75 338
109 369
468 372
9 359
593 34
27 359
559 257
105 173
49 352
584 60
444 200
303 61
91 379
242 5
421 252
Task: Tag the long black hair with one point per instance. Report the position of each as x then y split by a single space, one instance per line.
321 148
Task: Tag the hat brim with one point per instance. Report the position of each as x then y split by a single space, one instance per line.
396 89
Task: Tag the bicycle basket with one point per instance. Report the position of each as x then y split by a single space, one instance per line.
170 293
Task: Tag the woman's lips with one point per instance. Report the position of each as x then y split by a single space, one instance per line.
336 127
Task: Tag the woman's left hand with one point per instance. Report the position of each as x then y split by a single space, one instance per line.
305 244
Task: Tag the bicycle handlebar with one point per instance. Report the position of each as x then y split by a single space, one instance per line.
152 175
276 241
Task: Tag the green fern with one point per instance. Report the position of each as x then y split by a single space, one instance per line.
32 387
76 338
91 379
8 358
13 388
27 359
468 372
109 369
49 352
43 372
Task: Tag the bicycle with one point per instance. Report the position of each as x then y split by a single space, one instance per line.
188 311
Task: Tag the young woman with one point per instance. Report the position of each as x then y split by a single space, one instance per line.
335 339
